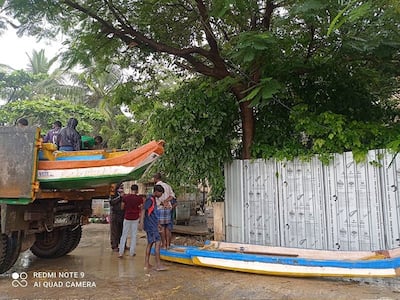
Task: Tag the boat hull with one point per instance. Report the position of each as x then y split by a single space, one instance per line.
294 266
287 264
176 254
56 179
81 174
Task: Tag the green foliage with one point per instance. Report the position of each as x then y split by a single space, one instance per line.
38 62
198 124
338 88
17 85
43 113
263 91
319 75
349 13
122 134
37 81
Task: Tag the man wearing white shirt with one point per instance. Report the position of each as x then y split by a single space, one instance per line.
164 205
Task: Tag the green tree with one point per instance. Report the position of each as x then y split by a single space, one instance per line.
93 87
39 63
201 139
266 53
99 86
37 81
16 84
43 112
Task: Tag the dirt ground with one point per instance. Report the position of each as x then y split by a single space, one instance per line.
92 271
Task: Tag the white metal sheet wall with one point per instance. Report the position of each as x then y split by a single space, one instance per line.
391 198
354 204
260 203
234 208
343 205
302 209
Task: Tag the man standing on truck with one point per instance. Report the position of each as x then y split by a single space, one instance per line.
116 217
69 139
22 123
51 136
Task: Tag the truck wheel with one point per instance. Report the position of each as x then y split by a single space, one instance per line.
71 241
74 238
10 247
50 244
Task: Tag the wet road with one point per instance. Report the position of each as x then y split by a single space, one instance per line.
92 271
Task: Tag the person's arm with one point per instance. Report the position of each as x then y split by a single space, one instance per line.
141 202
171 196
117 199
141 219
58 138
77 142
46 138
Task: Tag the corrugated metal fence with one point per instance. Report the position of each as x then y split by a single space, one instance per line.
343 205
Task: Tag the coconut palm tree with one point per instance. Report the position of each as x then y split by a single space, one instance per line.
54 84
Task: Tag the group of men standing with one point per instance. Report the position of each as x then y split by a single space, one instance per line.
66 138
154 214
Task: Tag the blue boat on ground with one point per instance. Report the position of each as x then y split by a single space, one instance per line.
293 262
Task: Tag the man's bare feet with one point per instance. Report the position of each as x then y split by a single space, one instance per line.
161 268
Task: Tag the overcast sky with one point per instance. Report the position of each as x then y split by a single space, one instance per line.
13 49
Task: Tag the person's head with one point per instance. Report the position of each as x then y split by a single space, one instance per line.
22 122
72 122
157 177
134 188
98 139
57 124
158 190
119 189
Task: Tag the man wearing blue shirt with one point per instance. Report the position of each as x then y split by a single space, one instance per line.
150 223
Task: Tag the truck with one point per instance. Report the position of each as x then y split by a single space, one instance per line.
46 221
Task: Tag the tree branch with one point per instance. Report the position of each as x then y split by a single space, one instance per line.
212 42
128 34
269 9
311 44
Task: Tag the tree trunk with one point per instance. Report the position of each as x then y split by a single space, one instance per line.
247 118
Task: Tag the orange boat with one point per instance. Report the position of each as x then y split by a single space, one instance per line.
91 168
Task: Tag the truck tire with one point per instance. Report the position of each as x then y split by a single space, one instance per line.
10 247
74 238
51 244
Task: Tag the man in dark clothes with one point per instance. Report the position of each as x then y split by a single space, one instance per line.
116 217
69 139
51 136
